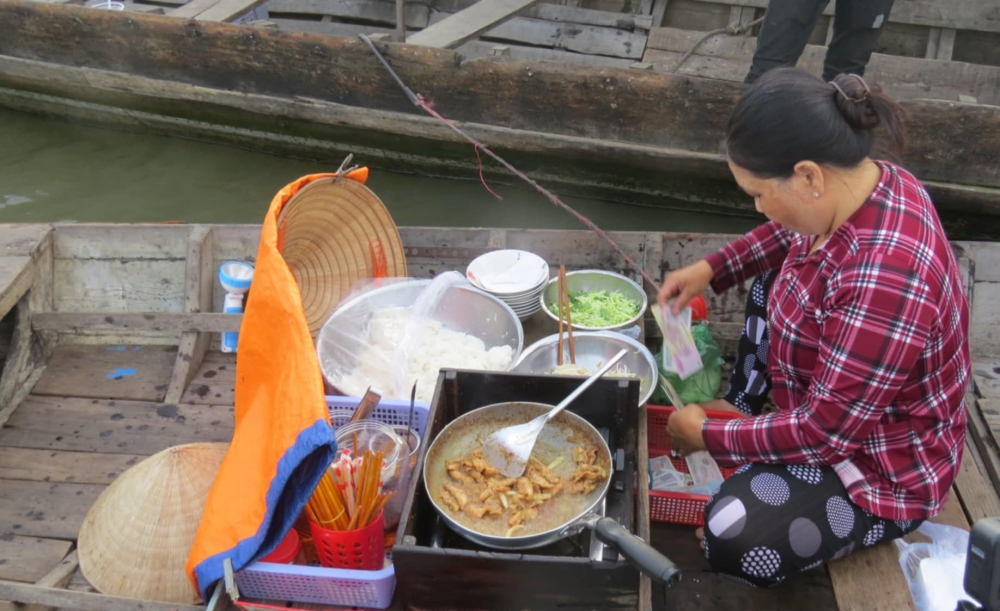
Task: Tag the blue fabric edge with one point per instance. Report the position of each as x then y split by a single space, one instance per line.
298 474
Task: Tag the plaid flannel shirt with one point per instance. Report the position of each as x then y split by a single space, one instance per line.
869 353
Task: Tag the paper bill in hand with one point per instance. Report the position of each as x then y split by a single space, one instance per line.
678 343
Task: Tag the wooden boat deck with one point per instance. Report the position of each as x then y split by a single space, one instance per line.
97 405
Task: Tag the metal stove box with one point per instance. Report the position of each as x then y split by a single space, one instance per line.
437 569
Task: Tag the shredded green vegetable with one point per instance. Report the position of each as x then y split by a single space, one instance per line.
599 308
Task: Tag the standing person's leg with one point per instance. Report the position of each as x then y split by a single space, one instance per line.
787 26
749 384
770 522
857 26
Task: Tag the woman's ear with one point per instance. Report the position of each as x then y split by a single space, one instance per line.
810 177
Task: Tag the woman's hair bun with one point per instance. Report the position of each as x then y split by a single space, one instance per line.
856 101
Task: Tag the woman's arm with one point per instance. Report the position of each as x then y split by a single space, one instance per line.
763 249
879 320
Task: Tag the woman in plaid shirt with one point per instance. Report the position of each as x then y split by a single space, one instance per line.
857 325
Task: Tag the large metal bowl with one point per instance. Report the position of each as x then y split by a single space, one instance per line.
593 349
596 280
463 309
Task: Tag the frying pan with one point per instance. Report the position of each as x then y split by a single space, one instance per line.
563 516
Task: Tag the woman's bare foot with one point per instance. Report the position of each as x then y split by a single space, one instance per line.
721 405
700 534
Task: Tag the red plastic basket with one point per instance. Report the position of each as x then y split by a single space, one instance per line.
676 507
361 549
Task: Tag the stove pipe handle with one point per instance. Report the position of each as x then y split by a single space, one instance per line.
643 556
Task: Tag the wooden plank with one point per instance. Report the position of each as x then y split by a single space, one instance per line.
193 8
984 441
659 9
400 35
29 558
374 11
122 322
946 45
566 14
57 466
698 16
340 30
57 578
228 10
123 285
933 39
16 275
60 575
468 24
215 382
975 489
583 39
198 279
108 372
479 48
42 509
113 427
902 77
642 508
990 409
958 14
703 589
871 579
83 601
117 241
23 240
18 365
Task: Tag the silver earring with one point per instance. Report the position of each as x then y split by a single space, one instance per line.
816 194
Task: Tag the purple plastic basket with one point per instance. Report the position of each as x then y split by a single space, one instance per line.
321 585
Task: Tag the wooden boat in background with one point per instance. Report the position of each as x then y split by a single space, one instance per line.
78 302
600 111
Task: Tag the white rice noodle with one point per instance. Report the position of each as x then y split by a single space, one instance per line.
423 347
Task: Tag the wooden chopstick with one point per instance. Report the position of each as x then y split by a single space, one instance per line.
559 283
569 323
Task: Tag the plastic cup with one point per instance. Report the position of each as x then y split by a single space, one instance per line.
396 476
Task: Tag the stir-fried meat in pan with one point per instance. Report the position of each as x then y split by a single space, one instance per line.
481 491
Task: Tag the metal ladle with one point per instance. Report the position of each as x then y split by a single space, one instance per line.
509 448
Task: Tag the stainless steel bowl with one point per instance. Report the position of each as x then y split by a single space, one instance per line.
593 349
596 280
463 308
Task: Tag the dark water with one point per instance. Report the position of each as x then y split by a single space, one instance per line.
53 171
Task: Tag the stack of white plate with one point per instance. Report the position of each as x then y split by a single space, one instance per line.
516 277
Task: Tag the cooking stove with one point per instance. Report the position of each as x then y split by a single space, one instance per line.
438 569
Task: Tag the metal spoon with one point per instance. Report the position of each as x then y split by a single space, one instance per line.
509 448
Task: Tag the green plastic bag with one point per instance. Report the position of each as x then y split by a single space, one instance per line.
701 386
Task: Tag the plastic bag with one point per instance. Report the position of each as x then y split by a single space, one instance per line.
701 386
935 571
390 333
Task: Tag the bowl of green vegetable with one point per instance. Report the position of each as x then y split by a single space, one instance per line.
598 300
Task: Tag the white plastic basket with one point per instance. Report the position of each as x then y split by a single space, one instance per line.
326 586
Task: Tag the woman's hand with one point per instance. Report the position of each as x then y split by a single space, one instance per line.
684 429
685 284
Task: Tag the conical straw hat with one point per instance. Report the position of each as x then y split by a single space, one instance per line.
333 233
136 538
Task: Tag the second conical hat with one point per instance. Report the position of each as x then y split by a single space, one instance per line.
333 233
137 536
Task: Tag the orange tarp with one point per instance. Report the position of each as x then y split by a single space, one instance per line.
283 441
